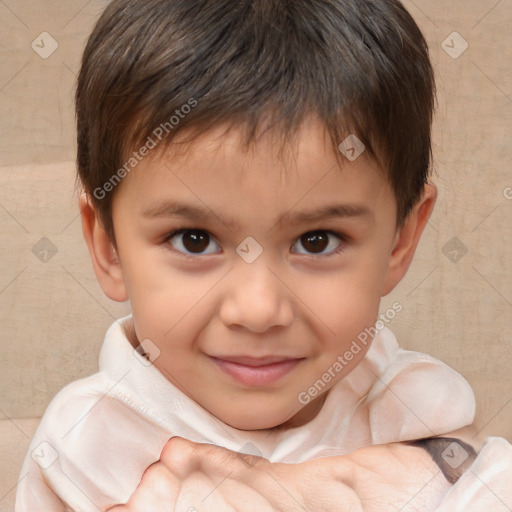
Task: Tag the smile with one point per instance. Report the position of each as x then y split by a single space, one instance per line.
256 373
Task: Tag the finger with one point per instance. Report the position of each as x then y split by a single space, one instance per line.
213 477
244 498
184 457
248 482
235 477
181 456
157 492
215 460
198 493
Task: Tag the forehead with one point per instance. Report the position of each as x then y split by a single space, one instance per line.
216 171
270 150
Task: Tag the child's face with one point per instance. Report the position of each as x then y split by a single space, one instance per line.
304 299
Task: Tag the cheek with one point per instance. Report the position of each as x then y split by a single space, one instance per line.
346 301
169 306
350 315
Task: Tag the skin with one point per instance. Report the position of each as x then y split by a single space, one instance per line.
291 301
193 477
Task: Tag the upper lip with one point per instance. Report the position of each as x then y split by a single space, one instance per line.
256 361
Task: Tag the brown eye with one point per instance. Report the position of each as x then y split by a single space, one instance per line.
317 242
196 241
193 241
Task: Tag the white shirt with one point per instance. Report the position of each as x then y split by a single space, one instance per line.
100 433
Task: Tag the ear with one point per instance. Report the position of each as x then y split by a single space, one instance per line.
105 261
407 238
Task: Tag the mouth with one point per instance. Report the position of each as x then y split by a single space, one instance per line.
256 372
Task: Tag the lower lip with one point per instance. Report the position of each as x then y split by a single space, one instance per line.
256 375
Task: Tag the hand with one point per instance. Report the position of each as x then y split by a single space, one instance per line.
191 477
393 477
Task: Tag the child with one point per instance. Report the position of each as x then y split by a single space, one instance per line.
255 178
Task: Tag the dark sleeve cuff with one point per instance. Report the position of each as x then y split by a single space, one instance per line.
452 456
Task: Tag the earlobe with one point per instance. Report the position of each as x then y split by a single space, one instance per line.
105 260
408 237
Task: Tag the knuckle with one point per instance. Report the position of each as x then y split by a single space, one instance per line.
176 447
154 477
179 455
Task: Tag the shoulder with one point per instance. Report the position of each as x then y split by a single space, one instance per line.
96 440
418 396
91 412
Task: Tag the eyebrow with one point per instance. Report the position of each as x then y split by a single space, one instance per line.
329 211
204 214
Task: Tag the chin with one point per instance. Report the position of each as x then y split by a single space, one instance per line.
252 421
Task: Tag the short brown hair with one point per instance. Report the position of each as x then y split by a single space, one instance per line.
361 65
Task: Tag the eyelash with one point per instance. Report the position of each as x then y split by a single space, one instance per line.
341 247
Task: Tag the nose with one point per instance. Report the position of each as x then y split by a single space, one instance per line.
256 299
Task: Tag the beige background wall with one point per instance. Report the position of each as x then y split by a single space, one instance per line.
457 298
